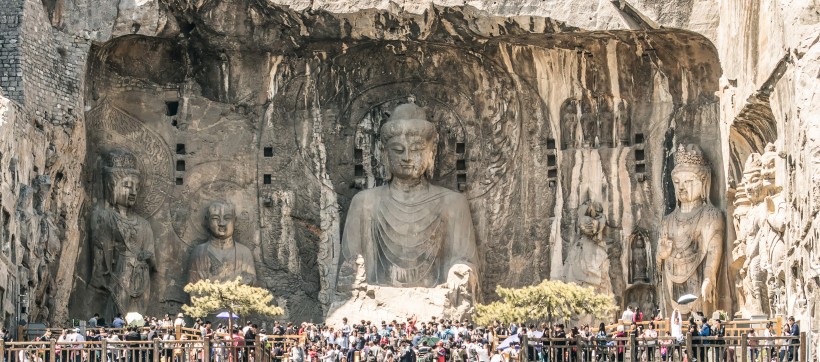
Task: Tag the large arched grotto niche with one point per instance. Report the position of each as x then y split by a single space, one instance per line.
280 111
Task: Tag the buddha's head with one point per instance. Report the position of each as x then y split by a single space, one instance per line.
691 175
409 143
220 219
121 177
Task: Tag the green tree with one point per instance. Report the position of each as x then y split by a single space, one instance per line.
545 301
210 296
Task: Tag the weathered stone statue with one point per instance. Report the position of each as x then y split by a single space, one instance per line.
691 241
639 262
587 262
760 229
409 232
221 258
123 241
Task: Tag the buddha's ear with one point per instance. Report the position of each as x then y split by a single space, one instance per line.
385 163
430 158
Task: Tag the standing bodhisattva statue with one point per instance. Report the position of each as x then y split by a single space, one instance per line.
691 241
123 241
409 232
221 258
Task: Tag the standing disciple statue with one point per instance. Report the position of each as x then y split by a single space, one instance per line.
588 261
409 232
123 241
691 241
221 258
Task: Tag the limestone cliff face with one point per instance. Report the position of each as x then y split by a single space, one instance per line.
541 105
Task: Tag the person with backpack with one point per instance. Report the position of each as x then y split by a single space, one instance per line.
601 343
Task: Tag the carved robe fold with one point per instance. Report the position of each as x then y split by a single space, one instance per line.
412 243
124 254
209 262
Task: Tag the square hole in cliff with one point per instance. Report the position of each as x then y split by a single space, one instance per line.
639 155
551 143
641 167
268 151
552 160
460 147
179 181
639 138
171 108
267 179
180 165
358 171
180 148
553 173
358 155
461 165
461 178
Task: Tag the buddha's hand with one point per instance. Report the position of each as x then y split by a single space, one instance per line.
708 291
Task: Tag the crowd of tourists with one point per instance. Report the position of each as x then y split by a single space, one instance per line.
433 340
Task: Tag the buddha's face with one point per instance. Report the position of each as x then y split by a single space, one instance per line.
220 221
688 186
124 190
407 154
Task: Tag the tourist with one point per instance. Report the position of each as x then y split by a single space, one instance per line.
483 352
628 315
180 321
118 322
620 334
794 331
650 337
601 340
92 323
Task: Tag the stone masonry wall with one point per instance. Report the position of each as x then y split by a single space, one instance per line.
11 75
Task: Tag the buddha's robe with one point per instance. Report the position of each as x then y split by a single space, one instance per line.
412 243
216 264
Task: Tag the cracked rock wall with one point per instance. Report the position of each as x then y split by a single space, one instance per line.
245 77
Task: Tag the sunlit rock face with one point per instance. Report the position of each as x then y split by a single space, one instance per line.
278 110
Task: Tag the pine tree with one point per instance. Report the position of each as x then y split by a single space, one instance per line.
209 296
545 301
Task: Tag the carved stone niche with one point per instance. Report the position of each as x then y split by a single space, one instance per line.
643 297
640 252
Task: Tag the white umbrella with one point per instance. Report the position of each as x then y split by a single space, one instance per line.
135 319
686 299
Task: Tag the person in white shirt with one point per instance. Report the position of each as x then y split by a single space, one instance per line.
180 321
676 325
483 353
628 316
497 357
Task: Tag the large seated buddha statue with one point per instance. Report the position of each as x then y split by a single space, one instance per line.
410 233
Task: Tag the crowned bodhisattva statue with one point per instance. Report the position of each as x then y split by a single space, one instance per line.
691 242
123 241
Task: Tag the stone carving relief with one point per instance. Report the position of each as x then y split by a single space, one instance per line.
759 225
588 262
39 233
221 258
123 240
691 236
639 255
